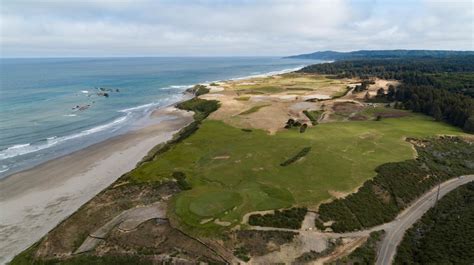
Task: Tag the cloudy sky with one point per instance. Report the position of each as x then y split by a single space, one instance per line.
40 28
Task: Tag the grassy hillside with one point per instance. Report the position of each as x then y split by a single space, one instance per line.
233 172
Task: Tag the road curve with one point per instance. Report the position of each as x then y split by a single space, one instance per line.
395 231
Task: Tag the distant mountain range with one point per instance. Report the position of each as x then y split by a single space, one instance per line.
380 54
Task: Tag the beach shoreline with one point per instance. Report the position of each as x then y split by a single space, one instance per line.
36 200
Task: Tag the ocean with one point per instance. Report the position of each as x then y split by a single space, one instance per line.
51 107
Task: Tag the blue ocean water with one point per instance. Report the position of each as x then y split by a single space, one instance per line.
51 107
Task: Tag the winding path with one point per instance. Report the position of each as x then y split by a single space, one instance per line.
126 221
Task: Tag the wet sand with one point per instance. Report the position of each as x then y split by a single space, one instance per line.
34 201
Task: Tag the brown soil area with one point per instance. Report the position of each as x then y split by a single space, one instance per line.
156 238
358 117
341 251
68 235
259 243
346 108
338 194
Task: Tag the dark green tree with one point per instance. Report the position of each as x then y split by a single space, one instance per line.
469 125
380 92
391 93
437 114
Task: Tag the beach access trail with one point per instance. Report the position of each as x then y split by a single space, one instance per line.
34 201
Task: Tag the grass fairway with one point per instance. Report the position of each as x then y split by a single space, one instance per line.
233 172
290 82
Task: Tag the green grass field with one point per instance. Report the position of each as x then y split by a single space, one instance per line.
233 172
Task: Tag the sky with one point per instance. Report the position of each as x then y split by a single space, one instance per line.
64 28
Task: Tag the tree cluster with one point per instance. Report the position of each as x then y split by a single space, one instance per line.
365 254
289 218
198 90
297 156
363 86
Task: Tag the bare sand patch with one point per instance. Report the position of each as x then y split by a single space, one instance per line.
222 223
205 221
372 88
315 96
348 246
338 194
214 89
245 218
283 97
304 242
221 157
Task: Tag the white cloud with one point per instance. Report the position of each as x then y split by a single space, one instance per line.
281 27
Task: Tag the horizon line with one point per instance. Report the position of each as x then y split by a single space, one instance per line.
216 56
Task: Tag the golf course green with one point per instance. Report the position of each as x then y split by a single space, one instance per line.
234 171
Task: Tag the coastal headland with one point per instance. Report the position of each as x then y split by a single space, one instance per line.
262 157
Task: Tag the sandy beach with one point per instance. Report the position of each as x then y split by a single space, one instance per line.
34 201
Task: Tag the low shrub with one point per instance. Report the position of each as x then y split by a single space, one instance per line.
313 115
289 218
299 155
181 180
199 90
303 128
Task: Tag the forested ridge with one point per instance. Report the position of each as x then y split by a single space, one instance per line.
439 87
379 54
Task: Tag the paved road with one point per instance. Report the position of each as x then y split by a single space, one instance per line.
396 229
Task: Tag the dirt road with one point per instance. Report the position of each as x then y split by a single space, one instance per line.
125 221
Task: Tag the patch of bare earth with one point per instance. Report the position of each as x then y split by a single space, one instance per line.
338 194
259 243
156 238
357 117
245 218
283 98
347 108
308 221
70 234
372 89
287 253
348 246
